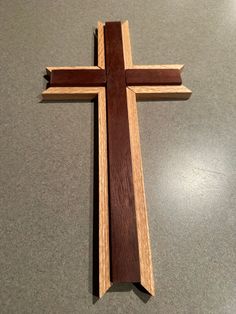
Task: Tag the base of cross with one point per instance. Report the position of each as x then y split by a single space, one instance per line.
124 243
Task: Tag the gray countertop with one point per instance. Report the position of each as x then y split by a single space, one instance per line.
188 149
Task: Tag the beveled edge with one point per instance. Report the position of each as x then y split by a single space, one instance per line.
165 92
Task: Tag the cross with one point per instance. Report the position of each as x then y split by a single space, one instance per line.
124 245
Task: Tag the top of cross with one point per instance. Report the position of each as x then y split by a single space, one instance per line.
148 81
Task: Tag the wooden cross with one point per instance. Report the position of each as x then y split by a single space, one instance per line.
124 245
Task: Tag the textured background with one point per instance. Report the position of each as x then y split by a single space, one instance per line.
189 159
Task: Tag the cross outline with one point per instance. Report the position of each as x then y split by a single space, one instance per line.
133 92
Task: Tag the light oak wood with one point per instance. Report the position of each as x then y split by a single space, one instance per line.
176 92
104 246
126 45
160 66
145 258
104 251
50 69
71 93
101 51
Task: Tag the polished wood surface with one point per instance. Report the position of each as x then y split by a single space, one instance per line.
76 77
124 242
153 77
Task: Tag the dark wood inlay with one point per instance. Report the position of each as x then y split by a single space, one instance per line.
123 230
78 77
153 77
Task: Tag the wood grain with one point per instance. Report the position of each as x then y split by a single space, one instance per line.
50 69
159 66
153 77
104 251
101 51
124 242
178 92
104 242
126 45
70 93
145 259
77 77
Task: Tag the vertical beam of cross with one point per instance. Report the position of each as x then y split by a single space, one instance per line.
117 82
124 241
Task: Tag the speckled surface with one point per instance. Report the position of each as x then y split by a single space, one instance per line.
189 159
